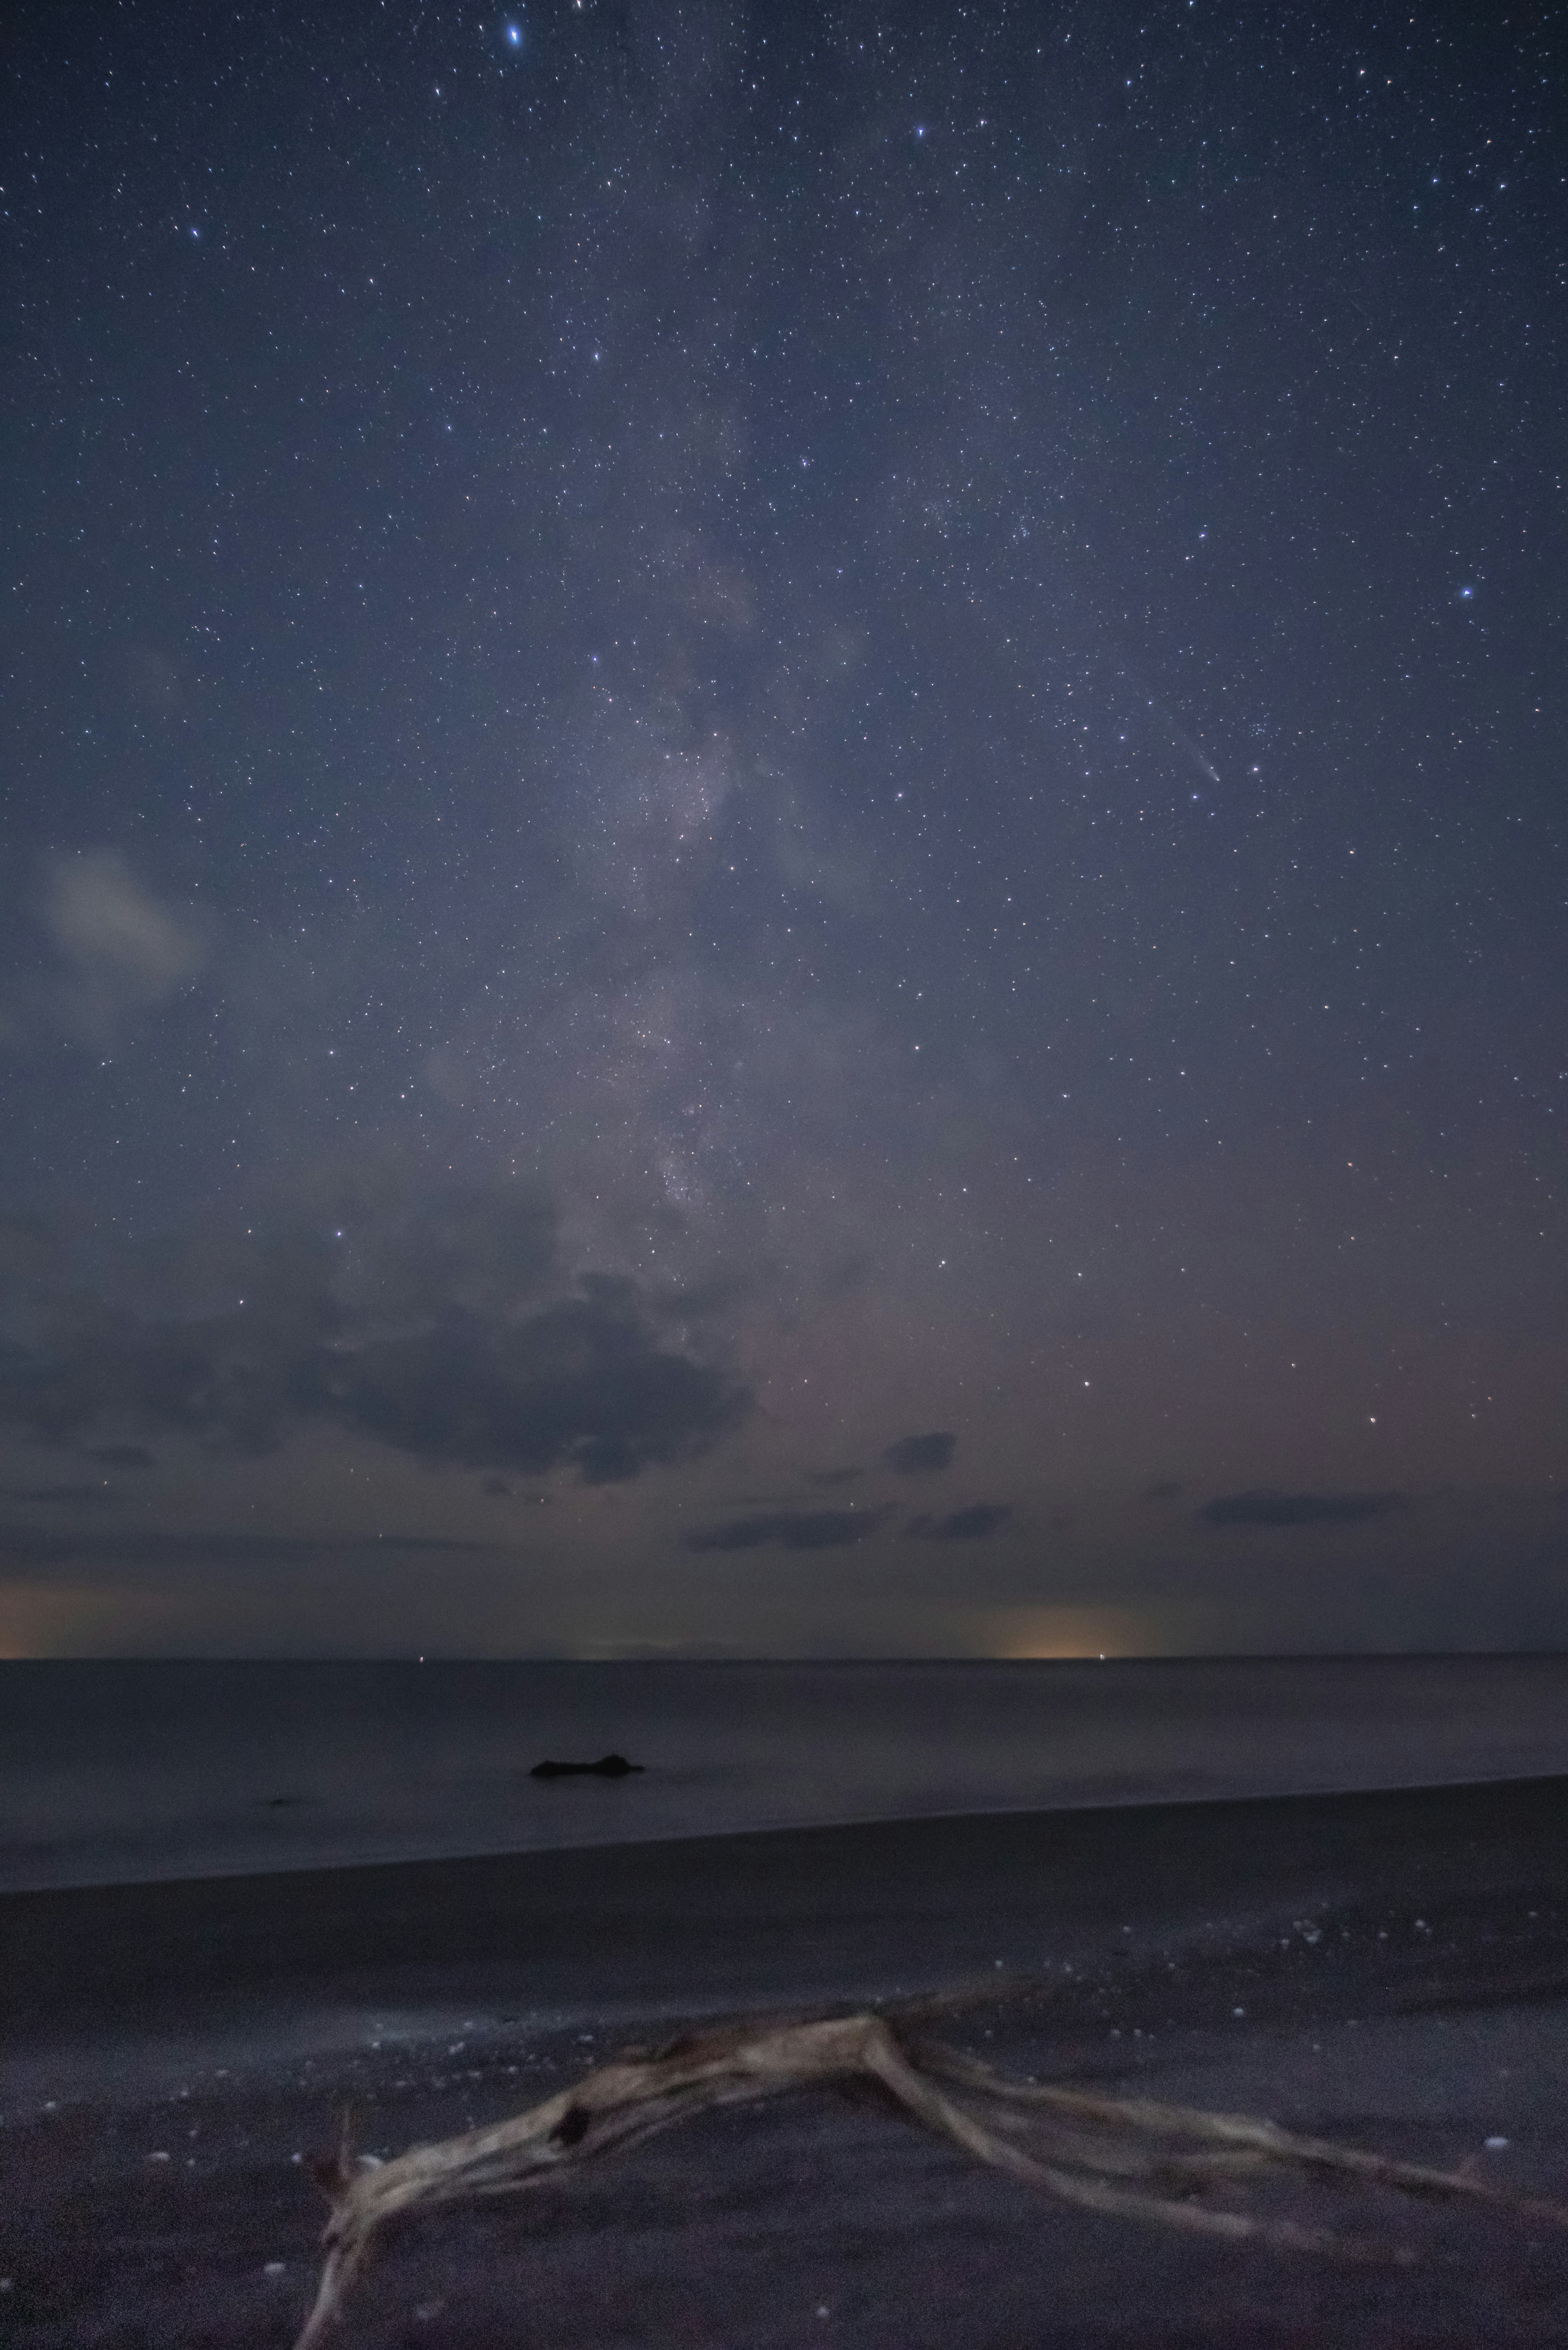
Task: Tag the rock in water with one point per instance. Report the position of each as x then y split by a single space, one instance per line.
609 1766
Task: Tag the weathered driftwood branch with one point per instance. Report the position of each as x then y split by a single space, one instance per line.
1124 2155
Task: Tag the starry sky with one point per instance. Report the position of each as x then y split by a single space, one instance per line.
785 814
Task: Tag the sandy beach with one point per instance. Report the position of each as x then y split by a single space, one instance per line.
1388 1970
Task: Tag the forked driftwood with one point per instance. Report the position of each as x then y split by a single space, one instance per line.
1124 2155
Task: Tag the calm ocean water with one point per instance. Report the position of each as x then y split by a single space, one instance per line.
111 1772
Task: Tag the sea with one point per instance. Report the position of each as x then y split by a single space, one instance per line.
120 1772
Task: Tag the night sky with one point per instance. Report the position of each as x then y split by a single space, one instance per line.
784 818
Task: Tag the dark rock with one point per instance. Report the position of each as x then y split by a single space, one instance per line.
609 1766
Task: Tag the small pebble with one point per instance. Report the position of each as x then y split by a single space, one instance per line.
1238 2010
1495 2144
158 2158
273 2268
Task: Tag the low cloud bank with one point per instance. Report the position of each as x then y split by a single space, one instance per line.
151 1546
1261 1509
974 1524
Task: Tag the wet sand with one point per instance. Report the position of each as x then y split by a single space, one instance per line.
1390 1970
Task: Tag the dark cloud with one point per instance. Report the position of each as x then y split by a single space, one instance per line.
1259 1509
581 1384
832 1476
921 1456
973 1524
147 1546
1163 1488
790 1530
123 1456
425 1329
497 1488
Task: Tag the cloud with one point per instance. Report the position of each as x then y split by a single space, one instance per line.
123 949
921 1456
832 1476
973 1524
147 1546
1163 1488
581 1383
420 1326
123 1456
790 1530
1261 1509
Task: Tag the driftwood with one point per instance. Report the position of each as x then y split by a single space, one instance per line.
1127 2157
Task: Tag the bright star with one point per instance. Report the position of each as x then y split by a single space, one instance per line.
515 36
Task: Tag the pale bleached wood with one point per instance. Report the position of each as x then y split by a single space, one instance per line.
1129 2157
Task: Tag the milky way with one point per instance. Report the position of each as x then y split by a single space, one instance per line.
739 741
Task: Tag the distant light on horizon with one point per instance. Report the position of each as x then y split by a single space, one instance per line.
1065 1635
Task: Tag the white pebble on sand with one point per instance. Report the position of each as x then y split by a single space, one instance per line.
1495 2144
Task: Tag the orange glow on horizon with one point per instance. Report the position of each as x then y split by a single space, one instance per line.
45 1619
1061 1634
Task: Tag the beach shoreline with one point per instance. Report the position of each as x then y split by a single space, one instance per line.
142 1772
1393 1968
